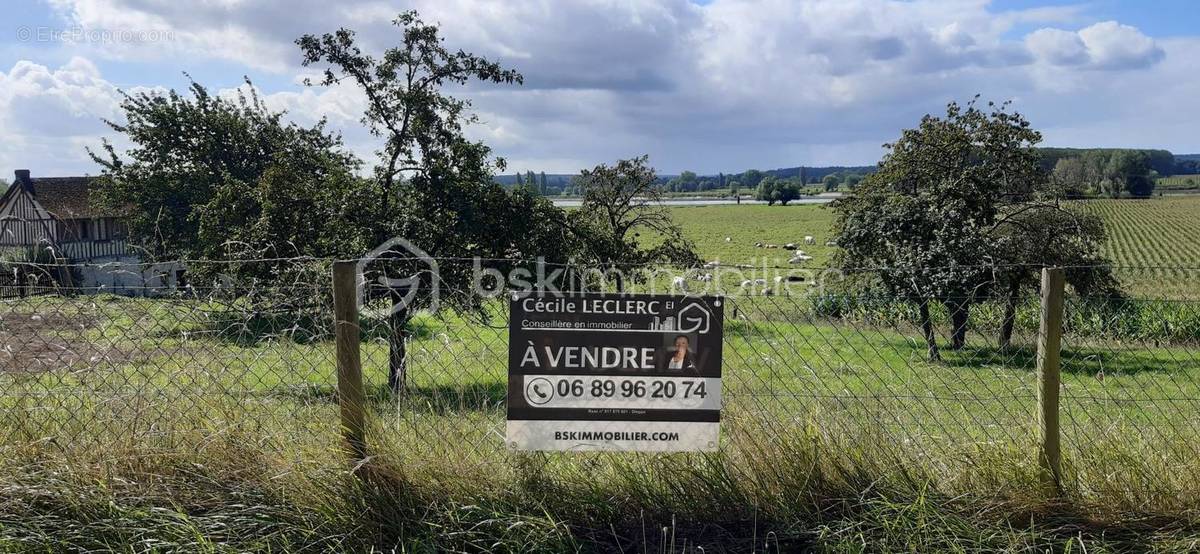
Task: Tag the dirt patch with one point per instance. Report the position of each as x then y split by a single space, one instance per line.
38 342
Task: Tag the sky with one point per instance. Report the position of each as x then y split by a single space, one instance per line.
708 86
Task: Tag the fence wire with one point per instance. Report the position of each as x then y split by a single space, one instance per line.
245 350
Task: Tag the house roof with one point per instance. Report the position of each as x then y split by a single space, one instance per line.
67 197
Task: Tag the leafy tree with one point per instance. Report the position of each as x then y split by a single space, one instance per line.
685 182
751 178
1129 171
852 181
434 186
217 178
1094 163
532 182
771 190
927 213
620 203
1071 177
767 190
545 190
831 182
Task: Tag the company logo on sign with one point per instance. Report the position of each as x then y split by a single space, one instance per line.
407 286
694 318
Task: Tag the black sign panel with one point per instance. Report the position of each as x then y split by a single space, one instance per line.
614 372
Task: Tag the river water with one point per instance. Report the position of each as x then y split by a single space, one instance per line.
699 201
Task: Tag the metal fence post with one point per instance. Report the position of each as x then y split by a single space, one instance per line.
350 393
1049 378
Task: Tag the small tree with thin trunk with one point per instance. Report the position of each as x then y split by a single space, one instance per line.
434 186
620 203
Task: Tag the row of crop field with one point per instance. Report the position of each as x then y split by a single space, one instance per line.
1178 182
1156 240
1154 232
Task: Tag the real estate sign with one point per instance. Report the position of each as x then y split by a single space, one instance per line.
614 372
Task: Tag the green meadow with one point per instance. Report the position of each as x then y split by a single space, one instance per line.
194 425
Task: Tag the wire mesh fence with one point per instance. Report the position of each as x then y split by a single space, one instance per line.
245 351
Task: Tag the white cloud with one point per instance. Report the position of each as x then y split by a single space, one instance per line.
49 115
1116 46
1106 45
722 86
1058 47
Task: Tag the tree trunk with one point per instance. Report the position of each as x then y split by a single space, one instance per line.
1010 314
960 313
927 330
397 349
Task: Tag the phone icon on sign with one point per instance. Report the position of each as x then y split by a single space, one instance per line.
539 391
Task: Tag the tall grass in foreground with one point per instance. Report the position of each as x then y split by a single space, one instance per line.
163 431
801 488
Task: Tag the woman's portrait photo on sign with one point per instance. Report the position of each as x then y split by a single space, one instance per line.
679 352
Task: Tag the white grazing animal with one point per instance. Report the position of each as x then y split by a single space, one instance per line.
808 239
679 283
728 239
830 243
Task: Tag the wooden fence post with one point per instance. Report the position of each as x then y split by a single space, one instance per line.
350 393
1049 378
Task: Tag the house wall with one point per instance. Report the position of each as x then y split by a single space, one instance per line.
126 275
25 223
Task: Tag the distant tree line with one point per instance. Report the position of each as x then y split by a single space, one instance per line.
1110 173
747 182
1083 172
1160 161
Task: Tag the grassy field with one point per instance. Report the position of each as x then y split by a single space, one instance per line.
1157 240
189 425
212 430
708 227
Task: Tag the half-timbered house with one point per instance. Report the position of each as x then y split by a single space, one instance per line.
60 213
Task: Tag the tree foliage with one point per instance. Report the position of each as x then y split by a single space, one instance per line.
622 223
772 190
213 178
434 186
929 222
